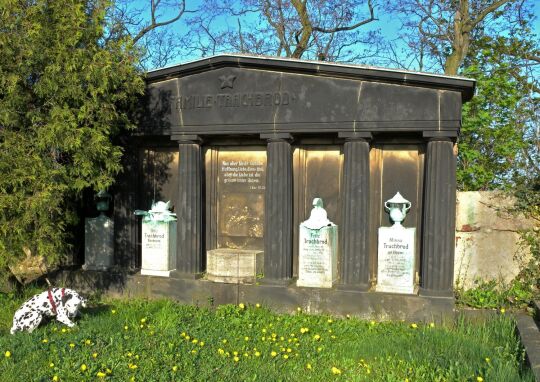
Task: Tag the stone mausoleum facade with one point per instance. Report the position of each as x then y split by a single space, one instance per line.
241 145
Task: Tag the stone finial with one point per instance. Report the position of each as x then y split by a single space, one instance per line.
318 217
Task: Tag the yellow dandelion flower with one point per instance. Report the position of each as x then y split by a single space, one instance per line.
201 344
55 378
132 366
94 355
125 327
188 338
101 374
264 330
236 359
224 341
51 364
55 329
246 338
108 371
183 334
44 340
414 326
348 316
316 337
241 306
113 311
143 320
175 368
431 324
84 367
273 353
64 330
319 349
141 326
330 321
72 345
246 355
308 366
88 342
298 309
257 354
263 338
479 379
195 341
194 352
129 354
502 311
335 370
285 356
221 351
333 337
289 350
372 323
257 305
488 360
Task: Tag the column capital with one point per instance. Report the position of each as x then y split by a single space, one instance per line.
277 137
186 138
437 135
351 136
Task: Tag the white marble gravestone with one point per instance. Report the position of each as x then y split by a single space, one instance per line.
395 265
98 243
317 257
158 240
395 262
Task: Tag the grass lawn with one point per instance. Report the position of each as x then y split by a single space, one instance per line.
164 341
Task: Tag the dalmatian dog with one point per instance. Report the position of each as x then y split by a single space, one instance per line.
63 303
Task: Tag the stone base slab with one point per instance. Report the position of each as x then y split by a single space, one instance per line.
152 272
286 299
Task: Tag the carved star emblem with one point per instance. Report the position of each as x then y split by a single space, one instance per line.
227 81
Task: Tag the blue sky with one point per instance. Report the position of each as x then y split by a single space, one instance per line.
389 26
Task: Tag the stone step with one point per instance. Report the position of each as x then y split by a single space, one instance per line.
530 338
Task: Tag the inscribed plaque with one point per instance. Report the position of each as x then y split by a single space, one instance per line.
158 248
395 271
317 260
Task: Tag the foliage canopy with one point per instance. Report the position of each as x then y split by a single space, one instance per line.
64 94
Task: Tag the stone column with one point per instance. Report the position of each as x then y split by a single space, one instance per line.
189 256
354 227
439 223
278 210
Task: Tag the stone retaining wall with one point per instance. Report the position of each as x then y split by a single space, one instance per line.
487 239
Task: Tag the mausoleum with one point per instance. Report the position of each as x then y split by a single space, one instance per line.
242 145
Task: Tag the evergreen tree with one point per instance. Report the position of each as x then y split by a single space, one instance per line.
64 94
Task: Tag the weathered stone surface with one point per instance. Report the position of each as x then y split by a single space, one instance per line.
487 239
227 265
98 243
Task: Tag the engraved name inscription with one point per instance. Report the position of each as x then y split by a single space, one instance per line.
207 101
248 172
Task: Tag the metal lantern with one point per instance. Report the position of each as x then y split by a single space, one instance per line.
103 199
397 208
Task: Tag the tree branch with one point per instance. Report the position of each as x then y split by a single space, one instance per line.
349 27
154 23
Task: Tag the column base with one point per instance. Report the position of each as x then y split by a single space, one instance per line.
185 276
435 293
353 287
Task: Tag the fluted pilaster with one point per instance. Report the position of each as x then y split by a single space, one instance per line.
354 229
189 258
439 219
278 209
